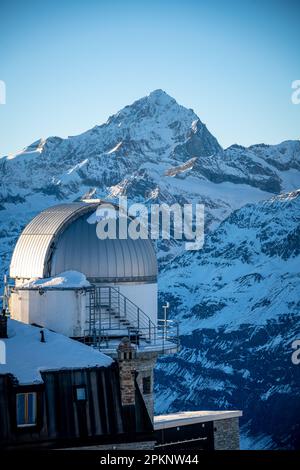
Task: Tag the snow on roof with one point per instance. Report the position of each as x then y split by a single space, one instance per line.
184 418
27 356
68 279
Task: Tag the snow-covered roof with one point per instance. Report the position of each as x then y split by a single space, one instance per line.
66 280
27 356
184 418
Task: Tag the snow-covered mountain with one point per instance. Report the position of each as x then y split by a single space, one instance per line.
153 150
156 150
238 302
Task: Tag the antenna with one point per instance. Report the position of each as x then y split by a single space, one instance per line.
6 294
165 307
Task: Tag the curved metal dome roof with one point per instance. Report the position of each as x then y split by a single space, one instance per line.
60 239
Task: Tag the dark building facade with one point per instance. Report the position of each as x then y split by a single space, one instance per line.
70 408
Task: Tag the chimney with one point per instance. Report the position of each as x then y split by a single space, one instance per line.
42 336
3 324
127 366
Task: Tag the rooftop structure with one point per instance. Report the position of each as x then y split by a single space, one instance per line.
194 430
117 279
96 337
63 238
95 290
55 392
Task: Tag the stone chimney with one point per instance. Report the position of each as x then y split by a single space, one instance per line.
3 324
127 367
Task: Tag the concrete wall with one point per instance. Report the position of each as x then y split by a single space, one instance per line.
226 434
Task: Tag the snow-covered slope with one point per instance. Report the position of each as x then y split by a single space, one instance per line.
238 302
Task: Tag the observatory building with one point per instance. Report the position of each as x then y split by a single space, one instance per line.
94 290
82 341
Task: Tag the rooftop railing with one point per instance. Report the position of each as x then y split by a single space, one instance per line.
112 316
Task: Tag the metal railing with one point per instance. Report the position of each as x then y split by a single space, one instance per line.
106 303
111 315
162 338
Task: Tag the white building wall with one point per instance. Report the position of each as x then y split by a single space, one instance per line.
143 295
66 312
63 311
19 306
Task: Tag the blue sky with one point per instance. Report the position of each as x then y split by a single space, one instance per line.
68 65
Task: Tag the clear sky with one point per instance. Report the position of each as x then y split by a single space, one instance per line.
69 64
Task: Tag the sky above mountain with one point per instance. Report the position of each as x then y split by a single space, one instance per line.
69 65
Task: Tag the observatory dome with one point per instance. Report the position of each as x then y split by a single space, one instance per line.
62 239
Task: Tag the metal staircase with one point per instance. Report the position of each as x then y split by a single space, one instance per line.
111 316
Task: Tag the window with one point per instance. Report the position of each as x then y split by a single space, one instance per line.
26 404
147 385
80 393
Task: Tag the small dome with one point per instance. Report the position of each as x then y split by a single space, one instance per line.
61 239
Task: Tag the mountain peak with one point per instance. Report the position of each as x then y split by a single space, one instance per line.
156 99
157 92
157 112
160 97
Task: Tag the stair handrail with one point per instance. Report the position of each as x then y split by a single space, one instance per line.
125 309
